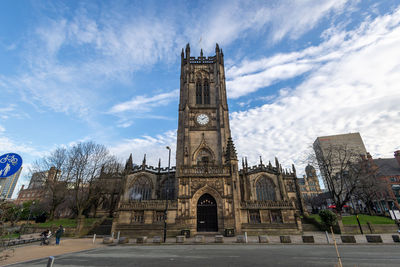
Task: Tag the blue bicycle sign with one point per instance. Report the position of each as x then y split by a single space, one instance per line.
9 164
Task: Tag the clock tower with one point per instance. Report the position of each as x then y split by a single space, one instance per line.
203 127
206 164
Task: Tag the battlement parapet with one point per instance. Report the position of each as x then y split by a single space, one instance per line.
267 204
152 169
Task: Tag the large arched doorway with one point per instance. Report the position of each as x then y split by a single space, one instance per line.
207 220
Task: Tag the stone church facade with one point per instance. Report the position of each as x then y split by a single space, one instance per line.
207 191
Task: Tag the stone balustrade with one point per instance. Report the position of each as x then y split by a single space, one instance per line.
148 205
282 204
205 170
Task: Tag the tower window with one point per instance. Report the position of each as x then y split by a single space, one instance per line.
199 94
206 92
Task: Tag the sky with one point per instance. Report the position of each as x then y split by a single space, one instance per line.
108 71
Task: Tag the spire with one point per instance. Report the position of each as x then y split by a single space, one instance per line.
294 170
216 48
230 153
269 164
276 162
129 163
261 163
159 163
245 163
187 51
201 52
144 162
182 54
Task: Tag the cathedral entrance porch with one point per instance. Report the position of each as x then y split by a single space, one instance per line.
207 220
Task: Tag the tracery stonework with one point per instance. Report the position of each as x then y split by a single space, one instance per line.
207 191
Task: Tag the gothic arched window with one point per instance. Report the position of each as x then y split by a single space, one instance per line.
265 189
206 92
199 93
141 189
168 189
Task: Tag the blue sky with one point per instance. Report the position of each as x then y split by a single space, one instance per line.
108 71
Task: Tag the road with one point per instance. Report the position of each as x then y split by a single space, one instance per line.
230 255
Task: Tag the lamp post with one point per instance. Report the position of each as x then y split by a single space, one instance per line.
30 211
166 195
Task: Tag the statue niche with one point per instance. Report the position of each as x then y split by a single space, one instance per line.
204 157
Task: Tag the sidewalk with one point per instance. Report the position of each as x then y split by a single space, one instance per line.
35 251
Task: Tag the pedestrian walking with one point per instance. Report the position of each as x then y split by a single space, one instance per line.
59 233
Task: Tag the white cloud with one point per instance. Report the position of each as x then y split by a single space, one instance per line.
354 89
9 145
228 22
250 76
144 104
154 147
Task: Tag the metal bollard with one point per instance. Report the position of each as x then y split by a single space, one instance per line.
245 237
50 261
118 235
112 235
327 237
94 238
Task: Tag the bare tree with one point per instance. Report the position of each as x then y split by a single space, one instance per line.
314 201
53 174
86 161
340 168
370 188
110 180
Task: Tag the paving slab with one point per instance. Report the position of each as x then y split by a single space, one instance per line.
35 251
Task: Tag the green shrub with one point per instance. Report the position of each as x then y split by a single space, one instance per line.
328 218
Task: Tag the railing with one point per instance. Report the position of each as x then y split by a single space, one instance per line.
148 205
266 204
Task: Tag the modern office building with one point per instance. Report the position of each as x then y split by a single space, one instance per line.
7 184
329 147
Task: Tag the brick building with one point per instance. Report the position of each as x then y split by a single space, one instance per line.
388 170
36 189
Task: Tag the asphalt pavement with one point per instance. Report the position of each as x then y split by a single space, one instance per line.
229 255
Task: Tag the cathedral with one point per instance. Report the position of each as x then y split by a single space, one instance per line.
207 191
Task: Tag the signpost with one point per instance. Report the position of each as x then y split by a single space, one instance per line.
10 163
395 214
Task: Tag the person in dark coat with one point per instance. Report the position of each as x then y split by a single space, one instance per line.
59 233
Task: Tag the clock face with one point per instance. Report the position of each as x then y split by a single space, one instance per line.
202 119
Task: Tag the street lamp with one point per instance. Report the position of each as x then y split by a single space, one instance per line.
166 195
30 211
